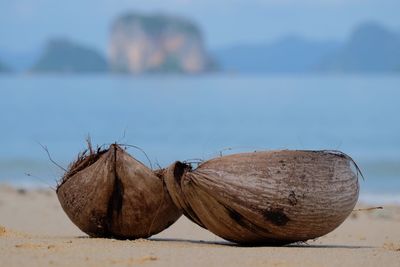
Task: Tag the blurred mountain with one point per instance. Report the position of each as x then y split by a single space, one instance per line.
290 54
61 55
370 48
157 43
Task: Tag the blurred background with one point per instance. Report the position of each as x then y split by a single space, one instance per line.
191 79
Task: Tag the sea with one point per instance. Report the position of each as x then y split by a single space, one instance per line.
45 121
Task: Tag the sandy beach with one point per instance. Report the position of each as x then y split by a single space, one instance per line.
34 231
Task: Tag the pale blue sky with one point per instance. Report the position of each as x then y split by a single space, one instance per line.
26 24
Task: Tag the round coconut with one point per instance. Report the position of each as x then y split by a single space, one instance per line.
275 197
110 194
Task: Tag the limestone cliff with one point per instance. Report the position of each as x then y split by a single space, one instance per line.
157 43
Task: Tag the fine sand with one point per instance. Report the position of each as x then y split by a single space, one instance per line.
34 231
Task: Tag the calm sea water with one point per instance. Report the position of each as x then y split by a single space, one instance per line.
178 118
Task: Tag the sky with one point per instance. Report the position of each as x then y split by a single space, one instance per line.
26 24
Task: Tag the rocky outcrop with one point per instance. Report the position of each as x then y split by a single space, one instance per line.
157 43
61 55
370 48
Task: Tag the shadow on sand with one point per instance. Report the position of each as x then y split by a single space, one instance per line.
230 244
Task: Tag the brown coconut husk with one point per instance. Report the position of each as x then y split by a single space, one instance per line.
108 193
274 198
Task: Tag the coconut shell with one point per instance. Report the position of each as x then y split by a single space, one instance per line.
110 194
275 197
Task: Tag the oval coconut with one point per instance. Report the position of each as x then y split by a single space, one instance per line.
111 194
275 197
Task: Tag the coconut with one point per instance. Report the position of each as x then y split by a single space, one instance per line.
108 193
275 197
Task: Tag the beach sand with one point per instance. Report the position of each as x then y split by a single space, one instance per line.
34 231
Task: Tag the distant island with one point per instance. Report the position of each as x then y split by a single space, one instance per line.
370 48
61 55
157 43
